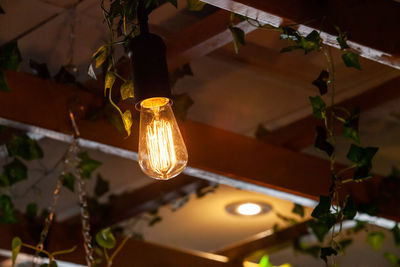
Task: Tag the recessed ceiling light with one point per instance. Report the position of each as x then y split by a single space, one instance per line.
248 208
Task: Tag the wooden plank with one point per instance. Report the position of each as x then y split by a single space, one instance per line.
301 134
214 154
134 253
239 252
370 23
149 197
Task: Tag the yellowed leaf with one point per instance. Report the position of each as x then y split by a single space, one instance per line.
109 81
100 56
127 120
127 90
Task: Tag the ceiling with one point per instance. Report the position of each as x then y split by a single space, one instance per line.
232 92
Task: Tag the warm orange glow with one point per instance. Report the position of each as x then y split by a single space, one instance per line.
162 152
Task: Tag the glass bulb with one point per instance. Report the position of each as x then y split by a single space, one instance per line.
162 152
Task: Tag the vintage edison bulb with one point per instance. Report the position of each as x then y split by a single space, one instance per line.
162 152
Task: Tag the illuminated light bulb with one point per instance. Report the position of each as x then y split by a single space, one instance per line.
249 209
162 152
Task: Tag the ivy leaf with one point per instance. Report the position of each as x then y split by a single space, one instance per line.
15 171
24 147
3 83
318 106
349 211
105 239
102 186
100 56
195 5
109 81
326 252
341 39
87 165
298 209
7 210
290 33
343 244
261 131
360 225
127 120
396 234
321 141
16 245
319 229
323 209
322 82
350 127
10 56
182 104
127 90
91 73
375 240
39 69
290 48
393 259
156 219
69 181
362 157
311 42
238 37
264 262
31 210
174 3
350 59
368 208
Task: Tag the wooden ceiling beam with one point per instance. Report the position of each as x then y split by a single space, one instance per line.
216 155
371 24
134 253
301 134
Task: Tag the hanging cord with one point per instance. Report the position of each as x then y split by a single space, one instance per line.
143 18
70 159
85 217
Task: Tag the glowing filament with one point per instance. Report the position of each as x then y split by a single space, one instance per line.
160 147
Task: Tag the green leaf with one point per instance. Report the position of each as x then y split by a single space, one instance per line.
362 157
290 48
319 229
195 5
102 186
290 33
7 210
100 56
298 209
264 262
16 245
182 104
87 165
156 219
360 225
31 210
127 90
322 82
24 147
69 181
174 3
15 171
312 42
349 210
105 239
323 209
342 38
350 59
321 141
368 208
375 240
343 244
10 56
109 81
3 83
318 106
238 37
39 69
396 234
261 131
127 120
393 259
306 249
350 127
326 252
